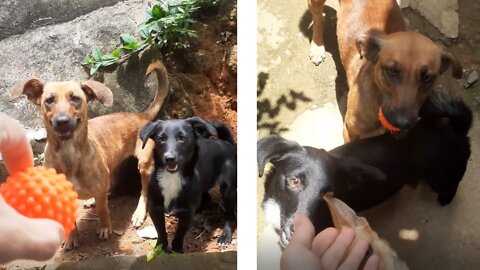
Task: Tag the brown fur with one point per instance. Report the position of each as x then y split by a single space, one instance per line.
90 157
344 216
372 39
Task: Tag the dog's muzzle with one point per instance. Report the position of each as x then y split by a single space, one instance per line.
65 126
171 163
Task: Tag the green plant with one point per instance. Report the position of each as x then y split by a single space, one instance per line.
156 250
166 26
38 160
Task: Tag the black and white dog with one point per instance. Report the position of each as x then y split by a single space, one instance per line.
366 172
187 165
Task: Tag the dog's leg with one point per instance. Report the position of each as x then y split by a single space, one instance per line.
145 167
184 221
317 48
72 241
158 218
104 223
229 195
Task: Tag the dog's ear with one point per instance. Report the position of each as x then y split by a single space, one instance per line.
32 88
448 60
148 131
201 127
98 91
342 214
272 148
369 45
358 172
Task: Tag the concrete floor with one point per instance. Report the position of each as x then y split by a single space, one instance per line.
300 101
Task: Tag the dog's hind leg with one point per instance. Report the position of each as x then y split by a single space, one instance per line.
317 48
145 167
185 219
229 196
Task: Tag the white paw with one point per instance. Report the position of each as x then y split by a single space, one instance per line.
317 54
89 203
103 233
139 217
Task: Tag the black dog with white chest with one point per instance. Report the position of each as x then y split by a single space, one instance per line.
187 164
366 172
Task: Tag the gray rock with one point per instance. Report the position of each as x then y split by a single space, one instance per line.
472 78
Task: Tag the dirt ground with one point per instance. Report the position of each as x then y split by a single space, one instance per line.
203 79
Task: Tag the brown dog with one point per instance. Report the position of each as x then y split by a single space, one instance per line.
344 216
89 151
386 66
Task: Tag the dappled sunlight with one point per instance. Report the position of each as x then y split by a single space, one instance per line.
409 234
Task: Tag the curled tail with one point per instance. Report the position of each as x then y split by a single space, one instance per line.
440 105
162 90
223 132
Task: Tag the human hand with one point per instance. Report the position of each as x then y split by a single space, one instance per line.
324 251
22 237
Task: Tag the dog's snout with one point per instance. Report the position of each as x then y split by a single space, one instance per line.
62 120
169 157
401 118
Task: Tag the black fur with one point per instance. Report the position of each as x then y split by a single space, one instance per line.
183 147
366 172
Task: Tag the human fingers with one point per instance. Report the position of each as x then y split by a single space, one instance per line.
16 151
355 257
373 263
45 238
324 240
303 232
332 256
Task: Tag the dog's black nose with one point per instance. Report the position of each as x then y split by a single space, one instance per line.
405 122
169 157
62 120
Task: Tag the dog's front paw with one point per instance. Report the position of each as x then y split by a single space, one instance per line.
104 233
89 203
139 217
225 238
317 54
71 243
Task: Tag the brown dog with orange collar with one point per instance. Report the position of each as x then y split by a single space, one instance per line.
390 71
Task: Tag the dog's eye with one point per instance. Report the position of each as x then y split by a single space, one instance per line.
50 100
392 71
426 77
294 182
180 137
75 99
162 138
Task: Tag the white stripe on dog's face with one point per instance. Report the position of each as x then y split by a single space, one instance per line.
271 210
170 184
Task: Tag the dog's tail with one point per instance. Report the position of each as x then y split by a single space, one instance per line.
223 132
162 90
440 105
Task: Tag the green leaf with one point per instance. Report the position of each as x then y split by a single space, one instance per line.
128 40
116 52
157 12
94 68
87 60
96 54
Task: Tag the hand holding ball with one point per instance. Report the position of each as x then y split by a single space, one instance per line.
39 192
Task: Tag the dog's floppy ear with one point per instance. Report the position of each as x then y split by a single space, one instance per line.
369 45
448 60
32 88
358 172
98 91
148 131
271 148
342 214
201 127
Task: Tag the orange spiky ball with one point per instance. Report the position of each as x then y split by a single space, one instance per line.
385 122
42 193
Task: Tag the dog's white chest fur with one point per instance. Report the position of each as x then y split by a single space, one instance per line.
170 184
272 213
